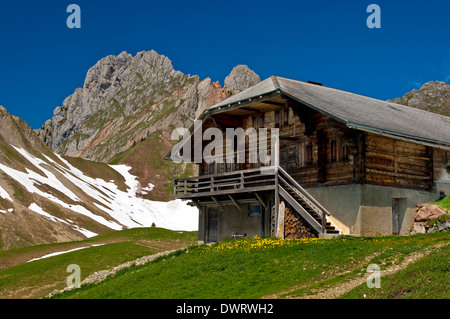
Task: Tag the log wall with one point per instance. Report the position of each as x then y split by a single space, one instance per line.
393 162
317 150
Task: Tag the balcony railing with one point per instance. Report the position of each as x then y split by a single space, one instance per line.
257 179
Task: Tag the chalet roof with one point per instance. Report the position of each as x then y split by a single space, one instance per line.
354 110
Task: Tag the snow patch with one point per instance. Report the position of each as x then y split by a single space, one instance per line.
124 208
145 190
37 209
62 252
4 194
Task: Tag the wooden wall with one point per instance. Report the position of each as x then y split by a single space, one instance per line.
340 155
393 162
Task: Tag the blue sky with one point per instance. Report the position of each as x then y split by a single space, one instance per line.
42 61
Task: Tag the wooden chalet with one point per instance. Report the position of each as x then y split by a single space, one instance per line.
344 164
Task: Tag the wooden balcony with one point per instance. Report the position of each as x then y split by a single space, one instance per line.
244 181
254 181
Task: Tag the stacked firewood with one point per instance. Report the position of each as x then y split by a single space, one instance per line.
295 226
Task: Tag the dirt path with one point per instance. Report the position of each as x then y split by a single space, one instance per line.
337 290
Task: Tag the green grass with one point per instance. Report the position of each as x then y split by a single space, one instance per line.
427 278
254 268
444 202
38 278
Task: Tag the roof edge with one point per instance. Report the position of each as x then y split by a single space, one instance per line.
403 137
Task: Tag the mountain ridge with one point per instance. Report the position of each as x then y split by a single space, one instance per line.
129 102
47 198
433 96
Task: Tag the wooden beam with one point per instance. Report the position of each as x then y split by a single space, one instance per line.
227 121
273 103
227 192
240 104
289 138
234 202
260 200
195 202
252 111
216 201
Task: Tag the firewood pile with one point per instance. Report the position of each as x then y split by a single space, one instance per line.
295 226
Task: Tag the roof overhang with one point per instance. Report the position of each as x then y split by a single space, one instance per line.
271 88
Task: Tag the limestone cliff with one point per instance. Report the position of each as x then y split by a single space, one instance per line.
126 110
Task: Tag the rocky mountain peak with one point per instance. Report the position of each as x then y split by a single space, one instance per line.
126 111
241 78
114 88
433 96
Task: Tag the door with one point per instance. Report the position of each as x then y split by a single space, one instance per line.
395 216
212 225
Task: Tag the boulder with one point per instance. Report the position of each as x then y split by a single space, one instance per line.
427 212
443 226
419 228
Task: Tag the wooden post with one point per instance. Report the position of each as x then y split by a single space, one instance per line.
280 220
324 223
175 183
275 164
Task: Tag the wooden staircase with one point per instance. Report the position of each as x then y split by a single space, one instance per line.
216 187
305 205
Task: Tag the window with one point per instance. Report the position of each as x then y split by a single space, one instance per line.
277 118
344 151
338 152
211 168
258 121
284 117
230 164
305 154
333 151
309 151
284 158
254 210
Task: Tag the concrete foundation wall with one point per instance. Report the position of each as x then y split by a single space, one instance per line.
361 210
343 202
366 210
232 221
443 187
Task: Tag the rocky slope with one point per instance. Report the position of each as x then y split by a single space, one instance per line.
433 96
241 77
46 198
127 109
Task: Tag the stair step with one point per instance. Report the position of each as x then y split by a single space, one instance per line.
295 193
